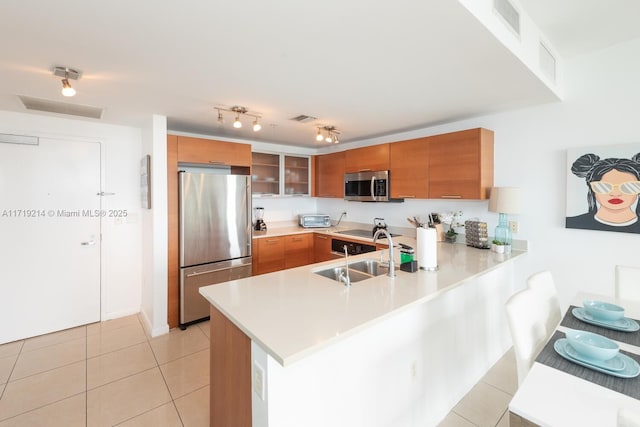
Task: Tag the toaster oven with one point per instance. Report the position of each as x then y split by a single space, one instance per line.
314 221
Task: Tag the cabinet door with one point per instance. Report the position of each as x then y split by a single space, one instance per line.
409 169
372 158
330 175
265 173
297 250
461 165
208 151
270 254
321 248
296 175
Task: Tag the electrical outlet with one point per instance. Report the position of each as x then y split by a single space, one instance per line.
258 379
513 225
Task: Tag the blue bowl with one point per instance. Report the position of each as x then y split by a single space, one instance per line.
592 345
603 310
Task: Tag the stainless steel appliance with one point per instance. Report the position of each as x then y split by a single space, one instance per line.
215 234
367 186
314 221
353 248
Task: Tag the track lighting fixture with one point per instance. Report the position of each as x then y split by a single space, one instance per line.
66 73
330 134
239 112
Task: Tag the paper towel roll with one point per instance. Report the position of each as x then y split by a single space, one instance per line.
427 248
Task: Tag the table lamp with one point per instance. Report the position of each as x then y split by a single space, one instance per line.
504 200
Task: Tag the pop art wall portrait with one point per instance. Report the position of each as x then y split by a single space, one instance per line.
603 187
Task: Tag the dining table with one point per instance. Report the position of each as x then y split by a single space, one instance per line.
561 393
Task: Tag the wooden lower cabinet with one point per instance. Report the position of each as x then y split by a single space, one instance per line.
269 255
322 248
298 250
230 374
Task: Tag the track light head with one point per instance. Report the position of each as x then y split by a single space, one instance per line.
239 112
67 90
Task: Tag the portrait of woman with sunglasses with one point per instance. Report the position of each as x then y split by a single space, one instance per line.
613 186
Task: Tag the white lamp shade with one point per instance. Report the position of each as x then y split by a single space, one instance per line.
505 200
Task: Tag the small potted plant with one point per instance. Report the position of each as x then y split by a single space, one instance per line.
497 246
452 219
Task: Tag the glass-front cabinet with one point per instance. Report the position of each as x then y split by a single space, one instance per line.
279 174
265 174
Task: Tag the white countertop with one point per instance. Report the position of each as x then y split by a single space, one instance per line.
294 313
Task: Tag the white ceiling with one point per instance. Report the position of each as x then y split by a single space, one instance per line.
368 68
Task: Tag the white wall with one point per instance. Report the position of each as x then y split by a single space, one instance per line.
600 108
121 241
155 230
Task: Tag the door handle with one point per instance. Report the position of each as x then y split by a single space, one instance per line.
90 243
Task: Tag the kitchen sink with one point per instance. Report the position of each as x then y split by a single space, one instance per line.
358 270
333 273
370 266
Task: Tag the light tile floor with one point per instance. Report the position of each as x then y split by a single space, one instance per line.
112 374
107 374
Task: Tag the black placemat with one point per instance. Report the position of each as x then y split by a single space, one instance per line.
571 321
629 386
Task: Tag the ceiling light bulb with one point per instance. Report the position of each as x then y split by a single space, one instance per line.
67 90
256 126
319 136
220 118
237 123
328 138
336 140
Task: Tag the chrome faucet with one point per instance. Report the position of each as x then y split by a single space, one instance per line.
392 272
345 277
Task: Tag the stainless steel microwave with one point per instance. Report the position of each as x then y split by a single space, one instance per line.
370 186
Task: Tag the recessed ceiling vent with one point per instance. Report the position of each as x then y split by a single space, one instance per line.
60 107
509 13
303 118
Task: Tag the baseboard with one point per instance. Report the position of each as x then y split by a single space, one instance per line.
149 329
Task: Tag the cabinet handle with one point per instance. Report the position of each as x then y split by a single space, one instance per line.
402 196
272 241
216 162
321 237
296 239
451 197
364 170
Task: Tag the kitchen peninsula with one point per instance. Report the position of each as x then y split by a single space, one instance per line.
293 348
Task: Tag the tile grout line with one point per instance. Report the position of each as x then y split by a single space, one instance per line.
15 362
173 402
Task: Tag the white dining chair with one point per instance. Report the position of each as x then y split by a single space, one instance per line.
542 284
527 318
627 282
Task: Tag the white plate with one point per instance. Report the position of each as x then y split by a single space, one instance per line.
631 368
625 324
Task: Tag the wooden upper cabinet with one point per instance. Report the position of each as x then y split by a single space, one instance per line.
329 175
208 151
371 158
409 169
461 165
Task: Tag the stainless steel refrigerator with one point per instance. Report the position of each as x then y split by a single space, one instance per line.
215 234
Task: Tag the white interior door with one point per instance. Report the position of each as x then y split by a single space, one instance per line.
50 233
